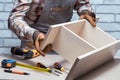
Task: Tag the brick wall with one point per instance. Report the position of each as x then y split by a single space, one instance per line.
107 10
7 38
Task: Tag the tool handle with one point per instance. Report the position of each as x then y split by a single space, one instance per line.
58 66
16 72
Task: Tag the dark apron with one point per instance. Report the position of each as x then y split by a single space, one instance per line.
54 12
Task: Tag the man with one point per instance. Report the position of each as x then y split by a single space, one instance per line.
31 21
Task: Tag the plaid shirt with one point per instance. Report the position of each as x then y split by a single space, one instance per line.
25 14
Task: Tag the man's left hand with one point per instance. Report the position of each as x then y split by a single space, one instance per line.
89 16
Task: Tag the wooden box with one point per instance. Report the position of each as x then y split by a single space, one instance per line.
76 38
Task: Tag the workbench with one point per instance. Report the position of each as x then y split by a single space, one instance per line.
48 60
108 71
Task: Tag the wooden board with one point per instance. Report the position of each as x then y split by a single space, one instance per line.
69 45
76 38
93 35
108 71
54 31
92 60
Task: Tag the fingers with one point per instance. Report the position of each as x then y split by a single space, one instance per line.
37 46
89 18
82 17
37 39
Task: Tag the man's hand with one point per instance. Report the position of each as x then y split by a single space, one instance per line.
89 16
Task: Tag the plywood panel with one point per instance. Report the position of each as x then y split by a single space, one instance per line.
83 28
50 36
54 29
70 45
95 36
93 59
108 71
76 27
76 38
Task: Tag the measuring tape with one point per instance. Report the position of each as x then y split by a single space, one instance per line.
34 67
9 63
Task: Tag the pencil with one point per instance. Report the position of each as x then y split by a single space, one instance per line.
16 72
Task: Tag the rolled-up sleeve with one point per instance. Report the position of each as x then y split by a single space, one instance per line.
81 5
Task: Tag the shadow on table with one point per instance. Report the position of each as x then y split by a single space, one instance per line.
106 71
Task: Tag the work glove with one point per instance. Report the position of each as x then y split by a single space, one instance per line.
89 16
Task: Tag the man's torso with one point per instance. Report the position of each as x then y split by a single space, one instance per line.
54 12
